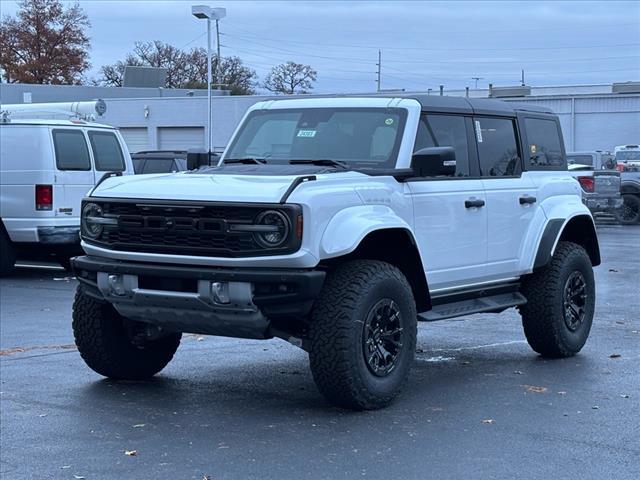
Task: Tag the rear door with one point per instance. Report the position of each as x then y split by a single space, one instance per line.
74 169
511 196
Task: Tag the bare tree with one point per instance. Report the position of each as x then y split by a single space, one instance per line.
185 69
44 43
289 78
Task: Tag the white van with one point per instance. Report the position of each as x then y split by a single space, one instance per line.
46 168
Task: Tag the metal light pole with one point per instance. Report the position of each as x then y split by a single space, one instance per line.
202 12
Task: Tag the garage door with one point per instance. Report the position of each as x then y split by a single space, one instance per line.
136 138
180 138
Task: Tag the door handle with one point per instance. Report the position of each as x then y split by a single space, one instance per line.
527 199
473 202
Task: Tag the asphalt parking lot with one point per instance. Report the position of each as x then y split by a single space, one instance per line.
479 404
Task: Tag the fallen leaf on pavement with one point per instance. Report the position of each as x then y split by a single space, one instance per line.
131 453
625 395
78 477
595 407
139 425
488 421
534 389
615 355
518 372
562 393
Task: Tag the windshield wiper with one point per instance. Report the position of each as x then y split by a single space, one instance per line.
320 161
259 161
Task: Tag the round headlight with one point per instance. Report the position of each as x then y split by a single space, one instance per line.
90 227
277 232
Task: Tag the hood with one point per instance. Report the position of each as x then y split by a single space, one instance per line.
207 187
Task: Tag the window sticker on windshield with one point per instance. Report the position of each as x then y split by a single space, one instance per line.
306 133
389 121
478 131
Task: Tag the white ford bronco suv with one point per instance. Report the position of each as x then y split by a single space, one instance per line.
336 224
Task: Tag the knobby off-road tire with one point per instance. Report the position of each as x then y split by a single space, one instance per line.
7 253
366 309
103 341
629 213
560 303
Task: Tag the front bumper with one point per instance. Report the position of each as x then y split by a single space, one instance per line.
180 298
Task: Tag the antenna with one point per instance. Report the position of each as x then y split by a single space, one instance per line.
379 64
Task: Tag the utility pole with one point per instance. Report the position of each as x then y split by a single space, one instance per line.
379 64
522 78
476 79
218 79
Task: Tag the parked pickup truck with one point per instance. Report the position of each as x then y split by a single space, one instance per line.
600 188
628 164
336 224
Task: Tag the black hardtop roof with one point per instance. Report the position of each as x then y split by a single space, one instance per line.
160 154
480 106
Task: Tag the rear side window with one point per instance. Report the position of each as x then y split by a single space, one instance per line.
497 147
445 131
71 150
545 149
106 152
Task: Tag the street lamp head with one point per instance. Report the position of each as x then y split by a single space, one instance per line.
205 11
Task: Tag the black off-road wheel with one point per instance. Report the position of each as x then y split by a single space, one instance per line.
7 253
363 335
560 303
629 213
116 347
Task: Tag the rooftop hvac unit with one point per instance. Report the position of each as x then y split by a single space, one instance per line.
55 110
144 77
505 92
625 87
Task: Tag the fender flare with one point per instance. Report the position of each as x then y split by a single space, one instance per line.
553 232
350 226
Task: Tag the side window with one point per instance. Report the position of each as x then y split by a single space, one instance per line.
445 131
106 152
161 165
138 164
71 150
544 143
497 147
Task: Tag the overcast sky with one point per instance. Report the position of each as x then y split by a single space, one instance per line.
423 44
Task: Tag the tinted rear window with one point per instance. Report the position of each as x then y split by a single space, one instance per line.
71 150
106 152
580 160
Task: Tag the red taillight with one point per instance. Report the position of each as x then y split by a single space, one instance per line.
44 197
587 183
620 167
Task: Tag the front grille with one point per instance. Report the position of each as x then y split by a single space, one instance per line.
187 228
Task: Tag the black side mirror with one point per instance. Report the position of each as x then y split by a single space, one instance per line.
197 159
434 162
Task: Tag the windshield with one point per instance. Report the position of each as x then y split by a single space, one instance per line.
356 137
626 155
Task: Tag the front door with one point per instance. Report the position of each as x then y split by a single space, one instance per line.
450 218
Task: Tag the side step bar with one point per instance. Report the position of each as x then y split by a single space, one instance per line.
493 303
